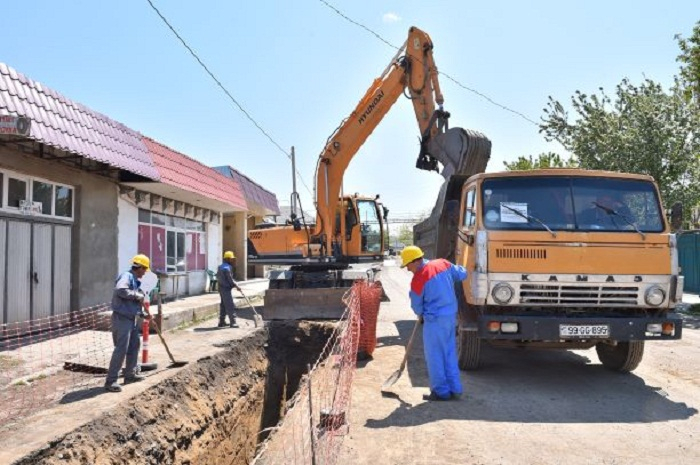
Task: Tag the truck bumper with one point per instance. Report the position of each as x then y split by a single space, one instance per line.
547 328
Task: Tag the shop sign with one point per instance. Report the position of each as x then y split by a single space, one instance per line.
14 125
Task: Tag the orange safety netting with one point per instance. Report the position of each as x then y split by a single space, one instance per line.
370 295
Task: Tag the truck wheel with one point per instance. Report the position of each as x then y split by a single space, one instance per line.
468 349
623 357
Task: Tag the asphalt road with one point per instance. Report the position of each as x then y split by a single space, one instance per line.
525 406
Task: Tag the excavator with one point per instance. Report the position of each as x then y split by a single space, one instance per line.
350 228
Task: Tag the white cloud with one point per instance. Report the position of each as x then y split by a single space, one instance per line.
391 18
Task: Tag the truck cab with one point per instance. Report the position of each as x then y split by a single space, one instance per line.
566 259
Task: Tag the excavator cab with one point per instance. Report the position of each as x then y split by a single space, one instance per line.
359 232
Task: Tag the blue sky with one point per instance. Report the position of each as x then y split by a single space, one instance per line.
299 68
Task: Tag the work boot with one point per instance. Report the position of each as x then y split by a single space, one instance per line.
114 387
234 324
434 397
222 324
456 396
133 378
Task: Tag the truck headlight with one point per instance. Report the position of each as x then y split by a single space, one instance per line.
502 293
654 296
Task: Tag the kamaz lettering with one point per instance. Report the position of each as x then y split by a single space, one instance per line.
370 107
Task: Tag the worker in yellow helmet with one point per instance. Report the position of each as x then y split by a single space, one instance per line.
434 301
127 301
224 274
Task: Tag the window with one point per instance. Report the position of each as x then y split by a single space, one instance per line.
173 244
370 227
63 198
571 203
469 213
16 192
43 192
50 198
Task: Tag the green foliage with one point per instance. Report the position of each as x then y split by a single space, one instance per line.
642 129
544 160
405 234
689 80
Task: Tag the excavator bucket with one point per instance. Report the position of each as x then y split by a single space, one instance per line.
462 153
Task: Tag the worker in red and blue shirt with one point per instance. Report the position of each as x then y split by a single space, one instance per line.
433 299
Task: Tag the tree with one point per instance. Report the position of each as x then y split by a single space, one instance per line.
642 129
689 58
405 234
544 160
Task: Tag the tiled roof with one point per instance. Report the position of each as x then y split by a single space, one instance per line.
254 192
72 127
179 170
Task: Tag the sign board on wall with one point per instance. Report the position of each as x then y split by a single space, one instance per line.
14 125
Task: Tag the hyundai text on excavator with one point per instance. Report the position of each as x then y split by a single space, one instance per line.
349 228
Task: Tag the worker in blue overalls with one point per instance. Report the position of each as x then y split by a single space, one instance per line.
127 306
224 275
433 299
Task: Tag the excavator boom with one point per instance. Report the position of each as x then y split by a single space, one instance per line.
319 252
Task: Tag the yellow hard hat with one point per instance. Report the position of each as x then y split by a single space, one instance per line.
410 253
141 260
229 254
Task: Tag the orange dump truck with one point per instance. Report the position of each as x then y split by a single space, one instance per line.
564 259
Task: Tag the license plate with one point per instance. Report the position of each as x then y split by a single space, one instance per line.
584 331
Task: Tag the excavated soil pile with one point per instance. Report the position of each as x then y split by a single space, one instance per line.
211 412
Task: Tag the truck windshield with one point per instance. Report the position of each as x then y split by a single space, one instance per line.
570 203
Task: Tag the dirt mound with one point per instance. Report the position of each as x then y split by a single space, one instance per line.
209 413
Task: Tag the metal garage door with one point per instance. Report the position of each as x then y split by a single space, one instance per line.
34 270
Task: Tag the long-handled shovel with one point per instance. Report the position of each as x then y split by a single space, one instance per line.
174 363
397 374
257 318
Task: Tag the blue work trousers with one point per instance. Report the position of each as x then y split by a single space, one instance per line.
125 334
440 349
226 307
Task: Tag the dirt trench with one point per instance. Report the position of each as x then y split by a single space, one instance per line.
211 412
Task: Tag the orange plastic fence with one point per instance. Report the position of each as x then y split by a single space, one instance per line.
370 295
316 420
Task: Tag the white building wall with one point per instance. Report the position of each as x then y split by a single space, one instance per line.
128 231
214 247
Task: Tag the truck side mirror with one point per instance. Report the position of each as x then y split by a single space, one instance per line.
677 216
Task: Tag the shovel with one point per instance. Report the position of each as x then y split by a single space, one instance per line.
397 374
174 363
257 318
148 282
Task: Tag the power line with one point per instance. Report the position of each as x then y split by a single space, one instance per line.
480 94
218 82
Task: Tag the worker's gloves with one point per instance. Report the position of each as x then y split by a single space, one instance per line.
144 315
140 295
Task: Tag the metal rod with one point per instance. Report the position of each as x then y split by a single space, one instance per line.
294 183
311 417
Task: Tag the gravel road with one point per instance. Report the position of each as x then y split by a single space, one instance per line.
525 407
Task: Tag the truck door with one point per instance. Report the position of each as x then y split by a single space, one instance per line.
466 233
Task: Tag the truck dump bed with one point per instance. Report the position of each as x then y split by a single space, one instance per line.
436 235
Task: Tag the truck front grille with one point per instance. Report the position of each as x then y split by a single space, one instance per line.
594 295
536 254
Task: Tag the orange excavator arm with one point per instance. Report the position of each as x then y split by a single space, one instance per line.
413 70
